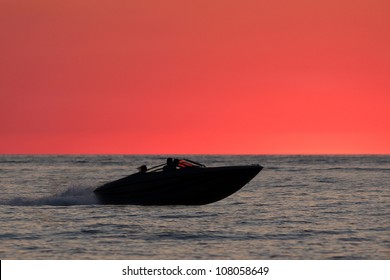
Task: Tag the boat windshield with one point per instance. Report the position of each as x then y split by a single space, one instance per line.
173 164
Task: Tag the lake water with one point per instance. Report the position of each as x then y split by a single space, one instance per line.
297 207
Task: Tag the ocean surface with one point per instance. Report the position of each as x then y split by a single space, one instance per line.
297 207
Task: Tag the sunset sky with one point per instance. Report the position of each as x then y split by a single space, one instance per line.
190 77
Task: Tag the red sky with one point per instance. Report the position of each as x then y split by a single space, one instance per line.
139 76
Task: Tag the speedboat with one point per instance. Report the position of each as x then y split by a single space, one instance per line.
177 182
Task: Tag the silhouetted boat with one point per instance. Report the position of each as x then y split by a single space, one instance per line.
177 182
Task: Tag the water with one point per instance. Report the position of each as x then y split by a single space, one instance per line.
298 207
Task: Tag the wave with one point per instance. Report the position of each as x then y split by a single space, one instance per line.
75 195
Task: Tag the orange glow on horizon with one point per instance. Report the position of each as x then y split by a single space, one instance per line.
203 77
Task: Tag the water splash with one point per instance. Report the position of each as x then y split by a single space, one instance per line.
74 195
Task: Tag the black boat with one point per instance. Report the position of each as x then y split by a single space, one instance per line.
177 182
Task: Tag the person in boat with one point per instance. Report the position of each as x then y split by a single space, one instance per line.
171 165
142 169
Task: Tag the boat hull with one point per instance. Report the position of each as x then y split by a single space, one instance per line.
188 186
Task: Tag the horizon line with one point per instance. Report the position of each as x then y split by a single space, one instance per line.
195 154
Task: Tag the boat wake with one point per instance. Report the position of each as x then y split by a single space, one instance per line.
74 195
